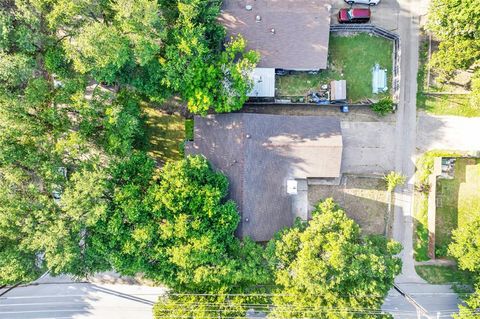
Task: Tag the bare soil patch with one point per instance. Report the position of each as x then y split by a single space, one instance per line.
364 199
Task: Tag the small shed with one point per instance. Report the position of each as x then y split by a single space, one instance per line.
263 82
338 90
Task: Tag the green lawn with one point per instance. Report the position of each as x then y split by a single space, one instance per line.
444 275
459 200
424 167
448 105
166 133
445 104
351 58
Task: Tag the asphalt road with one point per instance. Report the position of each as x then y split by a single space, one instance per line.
63 298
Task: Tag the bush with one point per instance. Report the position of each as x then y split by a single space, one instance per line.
383 106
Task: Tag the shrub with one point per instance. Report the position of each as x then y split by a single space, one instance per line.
383 106
394 179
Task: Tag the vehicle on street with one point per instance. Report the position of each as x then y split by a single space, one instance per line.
369 2
354 15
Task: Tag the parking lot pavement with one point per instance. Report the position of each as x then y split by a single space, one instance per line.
384 15
368 147
67 299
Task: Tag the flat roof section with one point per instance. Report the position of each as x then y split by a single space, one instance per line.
263 82
288 34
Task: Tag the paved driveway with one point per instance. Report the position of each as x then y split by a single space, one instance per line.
385 15
368 147
447 133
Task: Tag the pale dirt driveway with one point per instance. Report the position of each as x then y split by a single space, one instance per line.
447 133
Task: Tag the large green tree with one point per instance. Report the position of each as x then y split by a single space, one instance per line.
455 24
182 232
324 268
159 48
465 246
471 308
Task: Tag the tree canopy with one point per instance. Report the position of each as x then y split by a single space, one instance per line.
73 75
465 246
455 25
181 232
326 264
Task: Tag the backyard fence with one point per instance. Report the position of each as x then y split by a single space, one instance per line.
372 29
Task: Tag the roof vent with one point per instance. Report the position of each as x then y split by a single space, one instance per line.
292 186
247 136
248 7
258 18
272 30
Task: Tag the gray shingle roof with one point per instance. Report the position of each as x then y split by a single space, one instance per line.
259 153
300 39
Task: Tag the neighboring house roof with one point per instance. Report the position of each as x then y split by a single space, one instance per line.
263 82
301 30
259 153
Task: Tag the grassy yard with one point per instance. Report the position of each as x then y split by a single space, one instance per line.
350 58
424 168
458 200
440 104
438 275
166 133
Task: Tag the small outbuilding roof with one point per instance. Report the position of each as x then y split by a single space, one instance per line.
259 153
263 82
288 34
338 90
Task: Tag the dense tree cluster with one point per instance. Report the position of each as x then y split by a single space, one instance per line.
455 24
156 48
73 171
322 268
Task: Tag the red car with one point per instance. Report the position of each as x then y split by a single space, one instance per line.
351 15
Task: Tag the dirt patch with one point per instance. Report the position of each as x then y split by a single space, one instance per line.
364 199
356 113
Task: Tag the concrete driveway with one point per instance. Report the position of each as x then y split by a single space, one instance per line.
385 14
447 133
368 147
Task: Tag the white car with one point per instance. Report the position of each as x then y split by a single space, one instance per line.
369 2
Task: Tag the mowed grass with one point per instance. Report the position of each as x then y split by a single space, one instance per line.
166 134
448 104
351 58
458 200
438 275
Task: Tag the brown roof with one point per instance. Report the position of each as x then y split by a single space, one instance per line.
259 153
302 29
